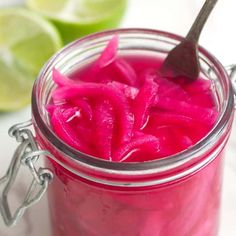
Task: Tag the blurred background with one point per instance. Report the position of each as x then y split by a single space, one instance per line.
219 37
177 16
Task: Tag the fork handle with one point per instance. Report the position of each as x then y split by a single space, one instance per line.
200 21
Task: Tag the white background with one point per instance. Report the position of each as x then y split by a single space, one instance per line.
219 37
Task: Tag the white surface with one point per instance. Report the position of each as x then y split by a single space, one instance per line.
170 15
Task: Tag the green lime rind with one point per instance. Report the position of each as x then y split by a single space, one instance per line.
27 41
72 31
77 18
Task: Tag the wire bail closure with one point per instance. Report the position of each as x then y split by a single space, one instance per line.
26 155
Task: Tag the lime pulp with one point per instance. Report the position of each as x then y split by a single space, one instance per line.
27 41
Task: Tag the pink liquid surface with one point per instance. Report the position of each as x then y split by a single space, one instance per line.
125 112
119 109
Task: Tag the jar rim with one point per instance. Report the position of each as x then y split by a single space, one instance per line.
138 167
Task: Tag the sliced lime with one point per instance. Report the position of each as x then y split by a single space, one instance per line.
76 18
26 43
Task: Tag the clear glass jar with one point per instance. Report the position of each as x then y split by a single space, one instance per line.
179 195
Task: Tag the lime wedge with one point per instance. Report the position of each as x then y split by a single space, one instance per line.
26 43
76 18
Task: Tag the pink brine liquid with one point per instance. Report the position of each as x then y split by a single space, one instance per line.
120 109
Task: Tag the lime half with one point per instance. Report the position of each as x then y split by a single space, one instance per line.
76 18
26 43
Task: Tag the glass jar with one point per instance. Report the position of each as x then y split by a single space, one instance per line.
178 195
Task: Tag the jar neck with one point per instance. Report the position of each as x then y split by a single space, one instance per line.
84 51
